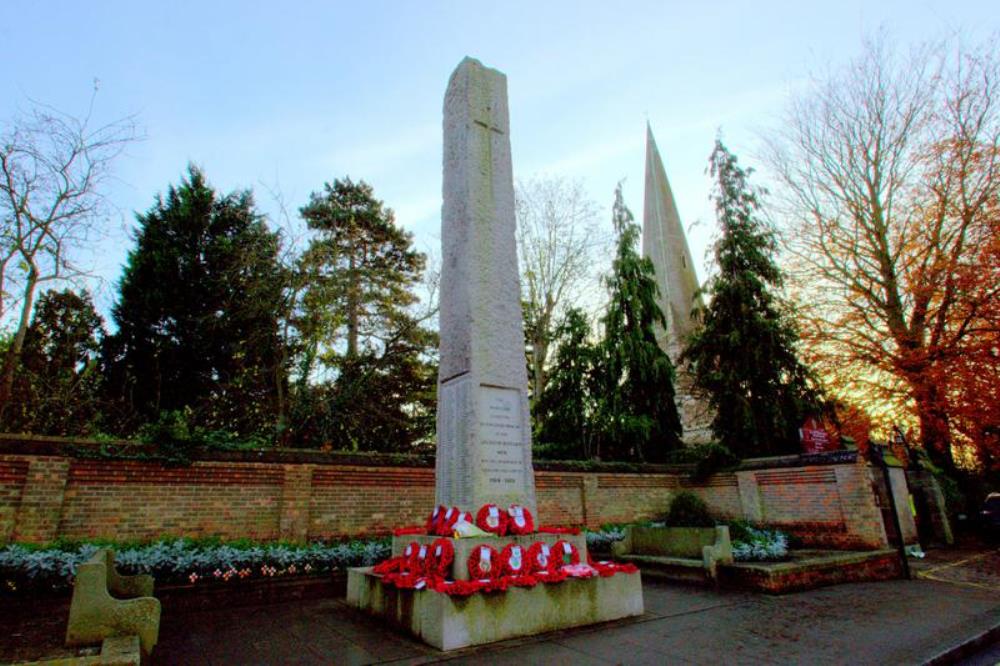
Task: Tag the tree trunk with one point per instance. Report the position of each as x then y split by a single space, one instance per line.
934 429
13 357
352 309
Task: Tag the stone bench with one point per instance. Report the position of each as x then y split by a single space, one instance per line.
106 604
677 552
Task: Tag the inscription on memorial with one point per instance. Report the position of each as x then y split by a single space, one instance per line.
454 471
501 440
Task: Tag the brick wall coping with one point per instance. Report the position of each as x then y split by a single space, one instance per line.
38 445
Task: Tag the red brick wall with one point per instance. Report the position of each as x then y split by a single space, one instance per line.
720 492
626 497
368 500
134 500
43 497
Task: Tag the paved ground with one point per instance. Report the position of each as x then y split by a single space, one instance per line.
895 622
972 567
956 597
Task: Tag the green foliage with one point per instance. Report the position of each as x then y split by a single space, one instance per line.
56 390
30 569
563 413
753 543
357 328
635 410
197 314
176 437
743 355
688 510
601 541
708 459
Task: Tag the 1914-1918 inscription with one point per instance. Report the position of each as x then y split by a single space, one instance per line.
501 439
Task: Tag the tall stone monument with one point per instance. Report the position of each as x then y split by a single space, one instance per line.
665 243
483 426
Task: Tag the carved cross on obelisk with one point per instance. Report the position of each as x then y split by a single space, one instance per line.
483 424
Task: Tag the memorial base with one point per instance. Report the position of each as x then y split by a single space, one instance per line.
449 623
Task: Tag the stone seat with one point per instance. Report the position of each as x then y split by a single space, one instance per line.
677 569
682 553
106 604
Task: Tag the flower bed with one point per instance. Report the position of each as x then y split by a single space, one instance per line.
758 544
600 542
30 569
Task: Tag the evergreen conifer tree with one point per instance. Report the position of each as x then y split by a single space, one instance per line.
563 412
198 311
360 273
743 355
635 411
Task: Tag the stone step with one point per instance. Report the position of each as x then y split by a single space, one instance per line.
678 569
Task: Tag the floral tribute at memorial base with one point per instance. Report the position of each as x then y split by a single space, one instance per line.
427 567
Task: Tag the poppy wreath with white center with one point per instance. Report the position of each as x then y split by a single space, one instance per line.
519 520
432 521
542 558
441 556
484 563
565 553
421 559
514 559
410 557
446 520
493 519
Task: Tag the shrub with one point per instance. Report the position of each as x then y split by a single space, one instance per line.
688 510
601 541
757 544
176 437
31 569
708 459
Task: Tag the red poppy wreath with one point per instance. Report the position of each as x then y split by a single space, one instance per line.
519 520
493 519
441 556
484 563
565 553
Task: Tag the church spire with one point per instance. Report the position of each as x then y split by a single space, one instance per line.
664 242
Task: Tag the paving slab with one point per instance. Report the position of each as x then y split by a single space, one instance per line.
866 623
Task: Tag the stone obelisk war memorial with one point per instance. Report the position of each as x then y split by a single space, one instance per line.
526 581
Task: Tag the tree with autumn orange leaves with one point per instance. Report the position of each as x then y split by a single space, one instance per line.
973 379
889 176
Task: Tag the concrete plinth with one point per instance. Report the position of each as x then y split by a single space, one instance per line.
449 623
464 547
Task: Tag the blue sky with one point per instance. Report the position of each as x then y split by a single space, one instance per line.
291 94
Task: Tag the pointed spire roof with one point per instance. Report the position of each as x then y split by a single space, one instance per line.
664 242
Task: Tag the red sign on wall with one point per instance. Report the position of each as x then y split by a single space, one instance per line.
815 438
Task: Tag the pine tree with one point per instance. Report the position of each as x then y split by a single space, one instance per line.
563 412
358 322
635 411
197 313
743 355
